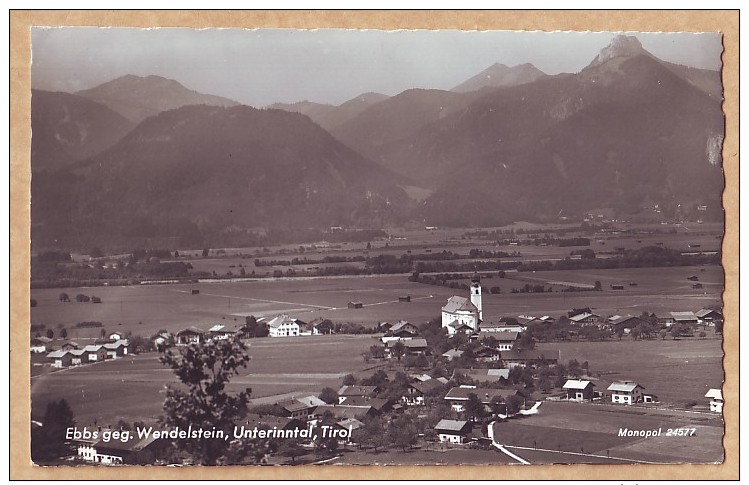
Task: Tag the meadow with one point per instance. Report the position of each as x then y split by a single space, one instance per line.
679 372
132 388
584 429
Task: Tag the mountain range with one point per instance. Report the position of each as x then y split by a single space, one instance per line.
139 160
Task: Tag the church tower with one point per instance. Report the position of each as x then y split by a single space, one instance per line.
476 294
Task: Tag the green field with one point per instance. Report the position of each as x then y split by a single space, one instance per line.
677 371
132 388
593 429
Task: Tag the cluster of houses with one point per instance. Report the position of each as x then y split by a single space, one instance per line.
71 353
465 315
280 326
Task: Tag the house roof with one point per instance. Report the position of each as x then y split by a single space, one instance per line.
400 325
451 425
459 303
577 384
715 394
459 325
624 386
351 423
310 400
116 344
507 336
485 395
483 374
357 391
415 343
453 353
281 320
42 340
191 330
92 348
426 386
57 354
582 316
375 402
292 405
705 312
683 316
343 411
619 319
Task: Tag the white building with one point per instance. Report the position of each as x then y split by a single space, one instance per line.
716 400
626 392
283 326
461 311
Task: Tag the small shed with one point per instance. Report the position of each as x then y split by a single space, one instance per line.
404 299
355 304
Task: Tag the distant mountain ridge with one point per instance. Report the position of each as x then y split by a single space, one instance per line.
499 75
626 130
136 97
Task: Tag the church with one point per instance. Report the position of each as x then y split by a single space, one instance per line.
462 314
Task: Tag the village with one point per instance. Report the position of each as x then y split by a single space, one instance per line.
447 382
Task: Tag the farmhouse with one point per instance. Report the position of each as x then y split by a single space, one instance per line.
688 318
356 391
503 340
283 326
416 346
579 390
626 323
307 329
378 404
116 349
39 344
94 353
507 324
483 375
60 358
222 331
708 317
585 319
417 390
716 400
115 452
78 357
340 411
626 392
190 335
297 408
461 310
452 431
487 354
458 396
70 345
355 305
452 354
402 329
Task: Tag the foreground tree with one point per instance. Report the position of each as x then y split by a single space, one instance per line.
203 403
48 441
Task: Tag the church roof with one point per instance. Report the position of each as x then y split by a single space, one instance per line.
459 303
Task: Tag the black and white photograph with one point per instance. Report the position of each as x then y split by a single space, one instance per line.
285 247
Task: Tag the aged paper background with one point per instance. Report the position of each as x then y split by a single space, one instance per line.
725 21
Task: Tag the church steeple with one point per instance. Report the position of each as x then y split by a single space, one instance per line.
476 293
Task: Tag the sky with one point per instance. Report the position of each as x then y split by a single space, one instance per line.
262 66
